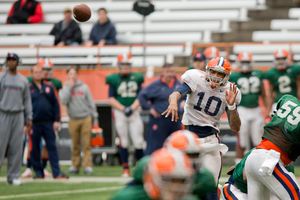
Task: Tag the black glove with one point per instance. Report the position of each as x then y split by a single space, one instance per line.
127 111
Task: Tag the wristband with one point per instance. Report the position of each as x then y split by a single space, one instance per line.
173 103
231 107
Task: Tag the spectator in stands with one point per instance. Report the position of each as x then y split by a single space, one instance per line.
199 61
67 31
155 98
46 118
103 32
25 11
81 109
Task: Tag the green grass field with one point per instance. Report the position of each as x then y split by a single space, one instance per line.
76 188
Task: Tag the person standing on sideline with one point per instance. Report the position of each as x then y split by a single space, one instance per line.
159 128
199 61
123 91
46 117
47 71
14 102
81 109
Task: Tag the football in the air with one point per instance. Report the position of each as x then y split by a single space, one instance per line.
82 12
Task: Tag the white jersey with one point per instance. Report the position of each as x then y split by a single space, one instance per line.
204 105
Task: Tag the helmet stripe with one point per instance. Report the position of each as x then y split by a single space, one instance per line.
221 61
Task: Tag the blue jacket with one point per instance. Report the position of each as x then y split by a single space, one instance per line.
45 104
105 31
158 94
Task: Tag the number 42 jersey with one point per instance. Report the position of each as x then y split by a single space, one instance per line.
126 87
204 105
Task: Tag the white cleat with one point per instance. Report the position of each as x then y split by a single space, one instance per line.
15 182
47 174
27 173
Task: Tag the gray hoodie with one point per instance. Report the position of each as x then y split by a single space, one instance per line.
14 94
79 101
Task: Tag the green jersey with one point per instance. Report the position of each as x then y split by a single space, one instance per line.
284 82
203 179
125 87
238 173
57 83
137 192
284 128
249 85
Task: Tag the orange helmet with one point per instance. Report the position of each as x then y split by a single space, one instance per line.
169 175
244 62
186 141
219 64
281 60
211 52
45 63
124 58
124 64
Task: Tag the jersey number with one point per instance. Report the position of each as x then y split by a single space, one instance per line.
284 84
208 103
285 110
128 89
251 85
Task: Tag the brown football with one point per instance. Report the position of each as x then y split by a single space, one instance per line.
82 12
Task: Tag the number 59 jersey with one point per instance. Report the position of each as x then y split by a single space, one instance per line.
204 105
284 128
284 81
126 87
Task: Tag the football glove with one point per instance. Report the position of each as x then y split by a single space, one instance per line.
128 111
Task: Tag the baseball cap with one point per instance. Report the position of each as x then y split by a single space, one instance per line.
67 10
12 55
199 56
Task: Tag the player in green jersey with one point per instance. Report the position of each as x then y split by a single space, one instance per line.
187 142
250 83
283 79
47 69
168 175
264 166
123 90
236 186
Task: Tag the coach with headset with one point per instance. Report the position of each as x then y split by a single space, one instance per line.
15 100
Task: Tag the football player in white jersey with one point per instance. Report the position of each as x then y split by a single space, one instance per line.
209 95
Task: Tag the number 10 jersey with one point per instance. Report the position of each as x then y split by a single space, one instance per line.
204 105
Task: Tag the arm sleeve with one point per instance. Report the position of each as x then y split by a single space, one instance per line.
183 89
56 105
188 78
91 105
27 102
111 39
11 11
139 88
92 37
38 15
112 91
144 97
65 95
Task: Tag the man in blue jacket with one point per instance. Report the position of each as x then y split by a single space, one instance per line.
103 31
155 98
46 117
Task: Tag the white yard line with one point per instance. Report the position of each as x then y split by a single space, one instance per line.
76 180
60 192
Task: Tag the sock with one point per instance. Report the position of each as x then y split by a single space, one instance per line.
45 160
124 157
139 154
28 163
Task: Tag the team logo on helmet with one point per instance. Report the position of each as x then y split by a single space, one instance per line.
218 64
281 60
244 62
169 175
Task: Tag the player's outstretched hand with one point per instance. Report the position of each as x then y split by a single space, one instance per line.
172 109
231 94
